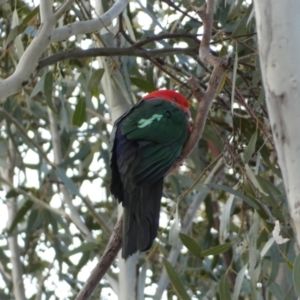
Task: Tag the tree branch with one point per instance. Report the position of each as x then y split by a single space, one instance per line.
109 254
62 9
32 198
129 51
94 25
67 198
45 10
26 69
15 259
220 65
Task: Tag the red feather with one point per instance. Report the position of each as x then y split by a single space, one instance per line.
172 96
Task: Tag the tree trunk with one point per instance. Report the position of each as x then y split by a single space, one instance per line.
278 26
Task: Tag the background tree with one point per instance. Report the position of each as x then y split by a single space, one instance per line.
69 69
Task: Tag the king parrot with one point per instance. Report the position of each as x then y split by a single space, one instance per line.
146 141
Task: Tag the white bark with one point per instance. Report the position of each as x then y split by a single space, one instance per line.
17 270
89 26
29 61
67 198
278 26
115 92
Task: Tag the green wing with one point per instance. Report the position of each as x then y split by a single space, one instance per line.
155 132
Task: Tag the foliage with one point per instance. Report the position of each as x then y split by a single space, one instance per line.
54 141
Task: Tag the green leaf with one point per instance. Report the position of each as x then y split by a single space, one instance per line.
173 233
276 291
83 260
191 244
224 289
35 221
48 85
217 249
86 247
94 80
296 275
12 193
39 87
175 280
20 215
290 295
250 148
227 189
83 152
275 261
18 29
221 85
79 114
13 34
238 283
235 65
142 84
67 181
30 16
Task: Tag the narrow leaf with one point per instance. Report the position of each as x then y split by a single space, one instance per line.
224 289
12 35
225 219
67 181
227 189
79 114
48 84
217 249
191 244
250 148
254 180
275 261
86 247
238 283
221 84
175 280
39 87
276 291
142 84
20 215
290 295
296 275
235 64
173 233
94 80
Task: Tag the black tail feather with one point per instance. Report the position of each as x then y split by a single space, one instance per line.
141 217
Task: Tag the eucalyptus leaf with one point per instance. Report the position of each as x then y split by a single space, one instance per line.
176 282
296 275
224 288
250 148
217 249
79 115
191 244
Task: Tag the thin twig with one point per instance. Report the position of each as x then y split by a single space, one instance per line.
34 199
25 135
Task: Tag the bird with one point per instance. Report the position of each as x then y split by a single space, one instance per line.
145 143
